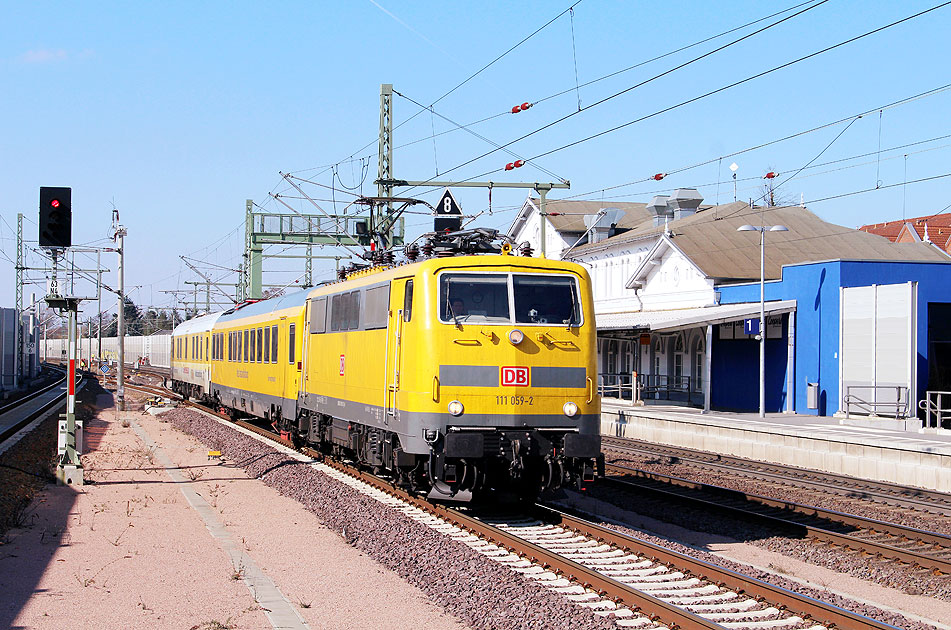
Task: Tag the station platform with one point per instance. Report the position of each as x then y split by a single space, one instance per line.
867 448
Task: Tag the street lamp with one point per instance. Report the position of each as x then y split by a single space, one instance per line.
762 304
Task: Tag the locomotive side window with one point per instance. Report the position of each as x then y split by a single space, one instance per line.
345 311
474 298
336 312
546 299
376 309
318 315
273 344
291 338
408 301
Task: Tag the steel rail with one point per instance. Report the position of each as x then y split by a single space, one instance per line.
819 533
807 607
10 406
826 482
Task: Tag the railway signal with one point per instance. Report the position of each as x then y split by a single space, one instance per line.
56 217
448 214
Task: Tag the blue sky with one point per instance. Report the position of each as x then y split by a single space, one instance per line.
177 112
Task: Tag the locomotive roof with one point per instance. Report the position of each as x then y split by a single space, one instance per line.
371 275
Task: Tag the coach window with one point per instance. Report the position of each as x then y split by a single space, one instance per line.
259 356
291 339
246 346
273 344
408 301
267 344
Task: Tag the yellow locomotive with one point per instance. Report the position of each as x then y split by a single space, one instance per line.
456 374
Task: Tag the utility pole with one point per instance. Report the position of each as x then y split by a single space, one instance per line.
119 236
17 326
384 163
382 220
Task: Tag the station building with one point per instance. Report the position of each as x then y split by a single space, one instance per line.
854 322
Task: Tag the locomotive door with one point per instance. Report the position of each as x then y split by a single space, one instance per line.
401 296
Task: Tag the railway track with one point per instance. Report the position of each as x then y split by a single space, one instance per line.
874 538
930 501
19 413
641 584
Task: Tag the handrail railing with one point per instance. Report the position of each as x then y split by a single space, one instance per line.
898 406
637 387
936 413
618 384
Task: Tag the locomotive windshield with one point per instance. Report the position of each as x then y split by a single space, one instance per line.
493 298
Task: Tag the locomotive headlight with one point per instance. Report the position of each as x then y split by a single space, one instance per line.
570 409
456 408
516 336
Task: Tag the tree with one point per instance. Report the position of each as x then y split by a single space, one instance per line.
770 195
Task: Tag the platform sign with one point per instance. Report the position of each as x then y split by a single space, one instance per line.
751 326
448 213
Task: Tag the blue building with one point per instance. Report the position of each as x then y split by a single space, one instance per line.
877 330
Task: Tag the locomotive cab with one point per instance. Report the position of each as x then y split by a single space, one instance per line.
511 355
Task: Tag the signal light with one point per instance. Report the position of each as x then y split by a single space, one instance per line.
56 217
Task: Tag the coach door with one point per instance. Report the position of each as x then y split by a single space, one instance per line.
401 304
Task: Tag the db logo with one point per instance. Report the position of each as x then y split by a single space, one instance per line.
514 376
343 362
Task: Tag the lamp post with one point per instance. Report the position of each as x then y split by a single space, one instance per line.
762 304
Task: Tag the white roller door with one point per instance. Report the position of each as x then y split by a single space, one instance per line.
877 349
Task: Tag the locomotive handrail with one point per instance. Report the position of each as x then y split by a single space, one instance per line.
589 384
436 388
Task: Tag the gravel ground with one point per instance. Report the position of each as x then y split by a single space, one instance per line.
466 584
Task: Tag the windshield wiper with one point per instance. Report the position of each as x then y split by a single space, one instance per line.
455 318
574 307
